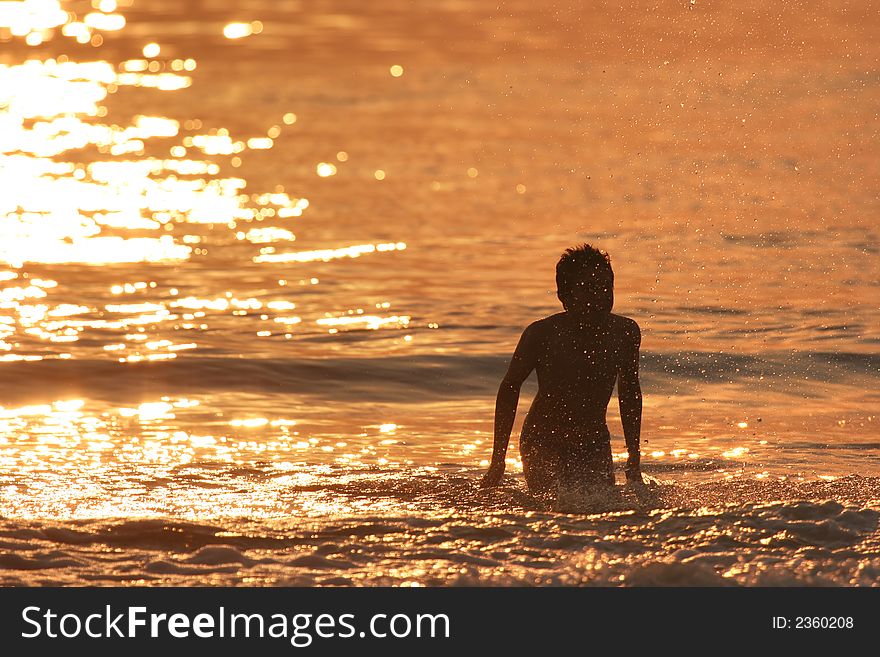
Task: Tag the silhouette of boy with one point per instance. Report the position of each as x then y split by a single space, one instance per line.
579 354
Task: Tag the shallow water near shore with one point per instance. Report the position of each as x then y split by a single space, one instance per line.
433 529
262 266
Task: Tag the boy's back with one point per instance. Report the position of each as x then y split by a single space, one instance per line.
578 365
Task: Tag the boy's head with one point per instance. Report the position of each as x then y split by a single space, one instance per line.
585 281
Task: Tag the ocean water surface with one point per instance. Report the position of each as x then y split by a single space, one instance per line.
263 265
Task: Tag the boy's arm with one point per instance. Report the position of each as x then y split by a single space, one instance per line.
629 395
524 360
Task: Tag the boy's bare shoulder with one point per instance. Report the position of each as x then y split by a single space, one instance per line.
541 327
548 323
626 327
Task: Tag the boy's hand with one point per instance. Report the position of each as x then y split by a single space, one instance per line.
493 476
633 471
634 476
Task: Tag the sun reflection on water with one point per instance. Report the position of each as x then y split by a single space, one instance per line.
85 184
76 458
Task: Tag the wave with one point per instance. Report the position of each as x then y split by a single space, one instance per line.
406 378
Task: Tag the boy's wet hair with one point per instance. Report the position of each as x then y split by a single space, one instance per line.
581 263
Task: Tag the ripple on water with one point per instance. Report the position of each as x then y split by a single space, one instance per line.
443 530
